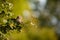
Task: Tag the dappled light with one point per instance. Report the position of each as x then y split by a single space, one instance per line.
29 20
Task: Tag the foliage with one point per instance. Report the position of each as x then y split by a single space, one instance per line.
30 31
7 23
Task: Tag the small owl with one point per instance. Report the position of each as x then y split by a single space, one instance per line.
19 19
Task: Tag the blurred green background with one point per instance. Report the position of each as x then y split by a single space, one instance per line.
37 16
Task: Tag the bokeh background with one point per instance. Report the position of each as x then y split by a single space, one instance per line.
41 19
